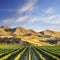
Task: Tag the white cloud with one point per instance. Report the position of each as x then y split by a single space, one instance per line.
56 21
15 20
33 20
51 17
20 19
49 11
7 20
28 6
42 18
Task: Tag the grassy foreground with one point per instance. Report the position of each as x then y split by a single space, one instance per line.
17 52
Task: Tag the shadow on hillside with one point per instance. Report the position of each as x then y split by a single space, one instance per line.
51 41
13 41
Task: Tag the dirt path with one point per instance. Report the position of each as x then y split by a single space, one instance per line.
33 55
25 55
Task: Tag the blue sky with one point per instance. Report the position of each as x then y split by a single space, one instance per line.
31 14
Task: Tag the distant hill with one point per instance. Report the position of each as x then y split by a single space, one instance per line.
30 36
23 31
5 27
18 31
51 33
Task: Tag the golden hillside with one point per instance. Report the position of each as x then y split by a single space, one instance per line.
4 33
30 36
22 31
51 33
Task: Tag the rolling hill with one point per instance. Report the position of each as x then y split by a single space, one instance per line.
47 37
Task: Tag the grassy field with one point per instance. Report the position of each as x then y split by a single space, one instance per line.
16 52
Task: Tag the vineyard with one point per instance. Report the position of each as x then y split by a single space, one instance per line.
29 53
